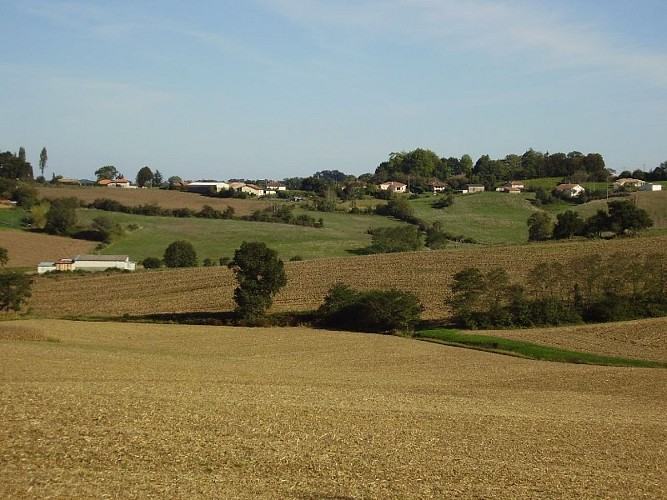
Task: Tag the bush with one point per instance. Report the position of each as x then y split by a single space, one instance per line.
376 311
152 263
180 254
394 239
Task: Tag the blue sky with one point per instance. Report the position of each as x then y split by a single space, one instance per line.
282 88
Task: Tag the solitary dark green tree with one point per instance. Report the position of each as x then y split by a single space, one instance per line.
61 218
145 177
539 226
180 253
260 275
22 153
43 158
14 290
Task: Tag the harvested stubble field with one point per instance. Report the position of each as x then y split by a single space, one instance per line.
164 198
642 339
147 411
426 273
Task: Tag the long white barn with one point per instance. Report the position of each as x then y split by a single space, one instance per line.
89 263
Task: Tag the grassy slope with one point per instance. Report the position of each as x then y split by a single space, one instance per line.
219 238
489 218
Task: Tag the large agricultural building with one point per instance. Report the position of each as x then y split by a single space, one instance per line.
88 263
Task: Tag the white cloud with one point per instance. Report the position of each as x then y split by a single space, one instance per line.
545 35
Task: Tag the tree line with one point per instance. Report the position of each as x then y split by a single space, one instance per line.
621 218
584 289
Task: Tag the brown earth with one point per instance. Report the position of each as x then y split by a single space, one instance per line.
27 249
164 198
155 411
428 274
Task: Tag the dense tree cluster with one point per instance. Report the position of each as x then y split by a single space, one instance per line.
589 288
422 165
381 311
14 166
621 218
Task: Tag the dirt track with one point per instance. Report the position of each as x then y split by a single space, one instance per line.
139 411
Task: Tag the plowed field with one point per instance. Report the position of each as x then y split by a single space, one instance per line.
156 411
166 199
426 273
29 249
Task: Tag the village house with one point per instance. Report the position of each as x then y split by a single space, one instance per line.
570 190
628 182
273 187
88 263
396 187
116 183
472 188
252 189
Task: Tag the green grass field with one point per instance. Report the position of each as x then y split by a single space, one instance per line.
489 218
219 238
529 350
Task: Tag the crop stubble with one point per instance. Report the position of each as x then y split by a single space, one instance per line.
152 411
427 274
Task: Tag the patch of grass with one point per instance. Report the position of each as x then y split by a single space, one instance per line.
11 218
215 238
489 218
528 350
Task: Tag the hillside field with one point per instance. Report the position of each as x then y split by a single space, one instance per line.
164 198
153 411
426 273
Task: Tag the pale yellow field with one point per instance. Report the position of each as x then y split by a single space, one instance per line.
166 199
29 249
153 411
428 274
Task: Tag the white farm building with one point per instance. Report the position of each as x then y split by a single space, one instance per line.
89 263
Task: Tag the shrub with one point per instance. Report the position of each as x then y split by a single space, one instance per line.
378 311
394 239
180 253
152 263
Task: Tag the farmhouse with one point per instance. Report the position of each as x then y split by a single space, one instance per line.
651 187
472 188
88 263
628 182
206 186
273 187
116 183
252 189
570 190
396 187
